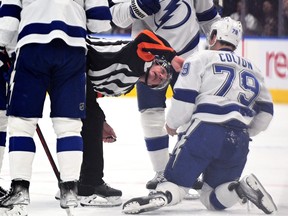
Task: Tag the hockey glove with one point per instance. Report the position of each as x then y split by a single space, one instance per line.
149 44
140 9
5 63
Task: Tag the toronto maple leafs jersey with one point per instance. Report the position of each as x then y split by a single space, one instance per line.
41 21
220 87
178 21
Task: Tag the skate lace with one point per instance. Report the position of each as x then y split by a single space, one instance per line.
6 197
159 177
241 194
106 185
3 191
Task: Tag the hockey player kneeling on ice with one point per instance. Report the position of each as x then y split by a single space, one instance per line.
223 100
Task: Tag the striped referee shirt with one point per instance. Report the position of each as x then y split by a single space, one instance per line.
111 67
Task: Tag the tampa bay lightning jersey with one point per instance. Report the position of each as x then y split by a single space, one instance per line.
40 21
219 87
178 21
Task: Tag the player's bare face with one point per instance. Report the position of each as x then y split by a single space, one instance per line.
156 75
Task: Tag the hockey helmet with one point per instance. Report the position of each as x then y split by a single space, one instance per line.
167 67
228 30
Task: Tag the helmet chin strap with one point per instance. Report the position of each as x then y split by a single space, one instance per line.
146 76
211 45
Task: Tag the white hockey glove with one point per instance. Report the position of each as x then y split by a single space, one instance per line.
140 9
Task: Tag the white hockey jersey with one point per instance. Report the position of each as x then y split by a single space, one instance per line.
178 21
40 21
221 87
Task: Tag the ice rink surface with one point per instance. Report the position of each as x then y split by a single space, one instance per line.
127 166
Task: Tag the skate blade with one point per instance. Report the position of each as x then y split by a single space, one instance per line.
102 202
70 211
19 210
192 195
134 206
267 204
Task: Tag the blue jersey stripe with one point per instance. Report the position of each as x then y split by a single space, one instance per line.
207 15
222 110
266 107
10 11
46 28
185 95
99 13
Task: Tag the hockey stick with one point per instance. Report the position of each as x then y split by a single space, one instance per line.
48 153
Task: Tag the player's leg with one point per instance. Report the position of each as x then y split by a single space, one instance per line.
225 170
26 100
182 170
152 105
67 95
222 188
92 188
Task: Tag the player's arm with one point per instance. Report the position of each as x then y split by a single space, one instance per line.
264 109
98 16
9 22
206 14
185 92
124 12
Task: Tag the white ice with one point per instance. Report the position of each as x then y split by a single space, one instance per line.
127 166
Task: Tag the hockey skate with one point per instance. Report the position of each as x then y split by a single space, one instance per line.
16 200
68 196
250 188
193 194
99 196
3 192
153 201
159 177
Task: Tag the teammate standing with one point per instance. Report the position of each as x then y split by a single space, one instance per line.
222 101
180 23
50 57
5 63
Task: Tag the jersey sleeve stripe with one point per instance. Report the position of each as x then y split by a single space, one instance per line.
10 10
99 13
185 95
207 15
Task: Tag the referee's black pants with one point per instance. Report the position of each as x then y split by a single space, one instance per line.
92 134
